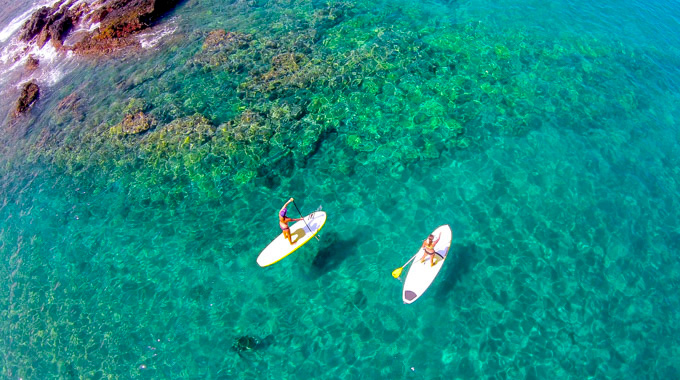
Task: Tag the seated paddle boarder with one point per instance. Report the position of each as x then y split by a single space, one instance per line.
428 248
284 220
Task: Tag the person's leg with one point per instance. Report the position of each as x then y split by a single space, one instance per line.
286 234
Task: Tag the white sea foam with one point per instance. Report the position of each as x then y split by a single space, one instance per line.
152 37
14 25
52 67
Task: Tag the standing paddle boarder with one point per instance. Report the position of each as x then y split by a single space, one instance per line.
284 220
428 248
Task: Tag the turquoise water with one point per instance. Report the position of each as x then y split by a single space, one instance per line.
545 134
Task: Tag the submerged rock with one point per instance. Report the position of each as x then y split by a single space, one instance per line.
134 124
70 108
29 94
245 343
221 40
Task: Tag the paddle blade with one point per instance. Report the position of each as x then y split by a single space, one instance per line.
397 272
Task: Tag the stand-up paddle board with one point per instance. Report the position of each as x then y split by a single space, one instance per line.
421 274
300 233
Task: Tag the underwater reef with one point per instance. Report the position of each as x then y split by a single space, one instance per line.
235 107
263 103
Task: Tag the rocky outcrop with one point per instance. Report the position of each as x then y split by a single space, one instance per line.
50 23
119 20
29 94
35 24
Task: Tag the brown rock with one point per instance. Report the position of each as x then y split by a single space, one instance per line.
46 23
29 94
119 20
134 124
43 36
32 63
59 28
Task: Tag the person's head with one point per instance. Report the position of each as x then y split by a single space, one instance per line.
430 237
283 212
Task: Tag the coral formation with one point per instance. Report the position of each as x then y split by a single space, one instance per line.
133 124
347 72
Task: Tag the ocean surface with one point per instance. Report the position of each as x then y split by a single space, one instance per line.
545 133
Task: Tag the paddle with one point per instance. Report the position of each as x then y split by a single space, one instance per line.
397 272
303 219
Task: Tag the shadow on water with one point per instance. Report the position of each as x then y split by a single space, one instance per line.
334 251
457 267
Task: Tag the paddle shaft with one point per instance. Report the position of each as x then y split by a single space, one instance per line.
411 259
397 272
303 219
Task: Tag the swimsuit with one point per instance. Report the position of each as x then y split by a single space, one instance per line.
283 225
428 247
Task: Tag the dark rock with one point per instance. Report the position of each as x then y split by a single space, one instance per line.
59 28
29 94
35 24
46 23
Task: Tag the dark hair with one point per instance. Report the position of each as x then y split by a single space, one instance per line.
431 237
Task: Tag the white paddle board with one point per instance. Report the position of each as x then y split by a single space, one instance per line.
300 233
421 274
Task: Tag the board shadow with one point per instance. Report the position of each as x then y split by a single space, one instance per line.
461 261
297 235
334 251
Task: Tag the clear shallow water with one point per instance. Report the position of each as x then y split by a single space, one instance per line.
548 142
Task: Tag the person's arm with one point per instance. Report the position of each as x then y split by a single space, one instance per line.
437 241
285 205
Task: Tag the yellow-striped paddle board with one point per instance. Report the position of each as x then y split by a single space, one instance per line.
300 232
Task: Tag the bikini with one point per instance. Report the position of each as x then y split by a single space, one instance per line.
282 225
429 247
